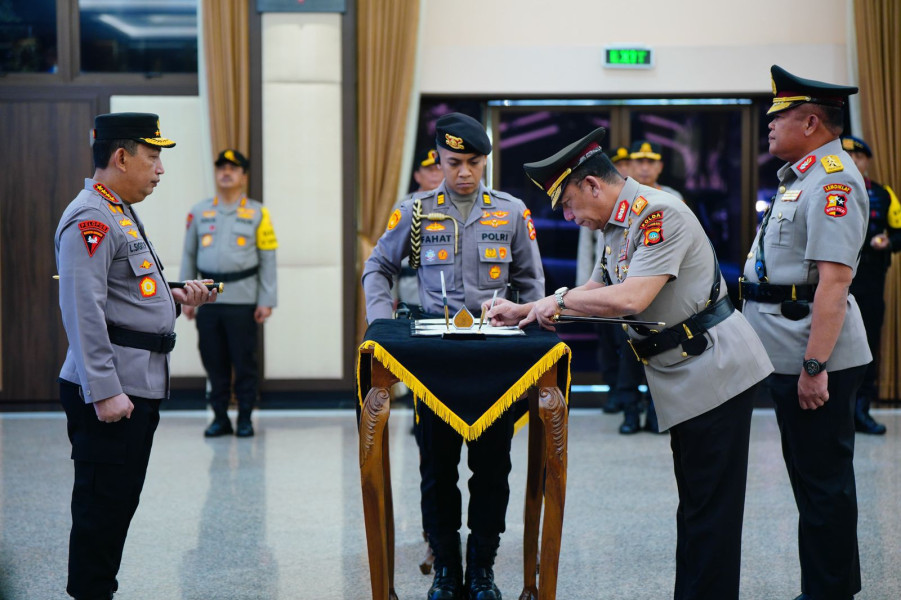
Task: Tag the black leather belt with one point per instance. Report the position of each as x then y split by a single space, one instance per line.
233 276
689 333
770 293
155 342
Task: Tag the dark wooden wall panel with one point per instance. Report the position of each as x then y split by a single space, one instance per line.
45 157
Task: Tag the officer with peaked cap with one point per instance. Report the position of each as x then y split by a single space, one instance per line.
119 316
795 289
482 240
703 367
230 238
646 165
868 287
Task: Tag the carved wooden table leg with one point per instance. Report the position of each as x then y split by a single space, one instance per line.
375 480
552 409
534 496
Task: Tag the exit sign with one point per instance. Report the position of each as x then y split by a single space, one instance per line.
628 57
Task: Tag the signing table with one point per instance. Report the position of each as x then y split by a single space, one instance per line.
468 384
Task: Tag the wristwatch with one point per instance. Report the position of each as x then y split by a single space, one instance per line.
814 367
558 296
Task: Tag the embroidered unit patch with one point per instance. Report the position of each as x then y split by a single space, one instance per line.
92 232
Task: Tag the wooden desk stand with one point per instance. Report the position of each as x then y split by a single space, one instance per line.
546 471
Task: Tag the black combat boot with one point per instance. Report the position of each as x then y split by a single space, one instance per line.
220 425
480 553
448 582
863 422
245 427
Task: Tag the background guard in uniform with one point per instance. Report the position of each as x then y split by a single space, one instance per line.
482 240
230 238
703 368
119 316
795 287
868 287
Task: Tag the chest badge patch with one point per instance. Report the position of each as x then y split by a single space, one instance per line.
502 252
206 240
790 195
435 226
490 252
836 205
132 233
495 223
148 287
806 163
92 232
146 264
442 254
494 272
394 220
241 241
207 214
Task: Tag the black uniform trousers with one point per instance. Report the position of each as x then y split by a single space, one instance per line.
710 459
489 489
868 288
110 464
818 447
228 340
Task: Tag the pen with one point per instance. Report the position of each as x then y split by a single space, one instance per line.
484 312
444 300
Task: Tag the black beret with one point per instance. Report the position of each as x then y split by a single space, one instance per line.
460 133
141 127
234 157
551 173
855 144
644 149
621 153
790 91
426 158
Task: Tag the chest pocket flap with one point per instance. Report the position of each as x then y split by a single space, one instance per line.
781 228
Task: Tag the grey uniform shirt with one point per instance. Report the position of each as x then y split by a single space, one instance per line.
819 213
228 238
109 273
494 246
653 233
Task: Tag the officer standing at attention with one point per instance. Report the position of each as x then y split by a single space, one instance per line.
482 240
119 316
795 286
703 367
868 287
230 239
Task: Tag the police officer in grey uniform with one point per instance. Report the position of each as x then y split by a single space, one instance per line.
119 316
795 290
703 366
482 240
230 239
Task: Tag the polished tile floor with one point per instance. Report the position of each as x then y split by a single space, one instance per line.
279 516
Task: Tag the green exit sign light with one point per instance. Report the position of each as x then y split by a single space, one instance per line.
628 57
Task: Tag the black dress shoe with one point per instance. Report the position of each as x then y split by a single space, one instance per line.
219 428
245 429
447 584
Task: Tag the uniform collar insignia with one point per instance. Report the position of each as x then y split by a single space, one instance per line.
103 191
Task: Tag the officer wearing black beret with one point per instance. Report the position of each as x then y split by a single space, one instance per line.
868 287
119 316
482 240
795 290
703 367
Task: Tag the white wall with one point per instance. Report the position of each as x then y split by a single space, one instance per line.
534 47
188 179
302 186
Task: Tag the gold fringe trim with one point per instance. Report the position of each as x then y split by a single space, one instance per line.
422 393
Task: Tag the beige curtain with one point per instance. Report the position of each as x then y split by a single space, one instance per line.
878 29
386 58
227 48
